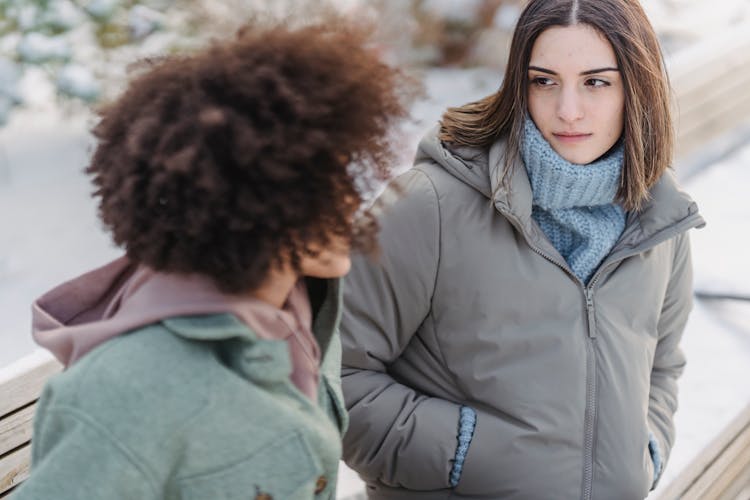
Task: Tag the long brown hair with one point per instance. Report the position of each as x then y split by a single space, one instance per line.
648 135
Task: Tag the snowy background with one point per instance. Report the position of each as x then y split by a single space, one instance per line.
49 231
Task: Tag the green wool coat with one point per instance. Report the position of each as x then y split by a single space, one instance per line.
191 408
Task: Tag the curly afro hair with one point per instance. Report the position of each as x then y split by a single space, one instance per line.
221 162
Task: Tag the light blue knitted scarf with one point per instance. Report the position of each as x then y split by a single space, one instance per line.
574 204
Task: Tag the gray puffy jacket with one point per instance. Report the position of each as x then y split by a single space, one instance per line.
469 303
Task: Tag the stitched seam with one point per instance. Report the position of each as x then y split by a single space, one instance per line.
439 232
676 242
437 263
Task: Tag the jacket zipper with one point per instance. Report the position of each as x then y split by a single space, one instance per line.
589 418
590 411
588 292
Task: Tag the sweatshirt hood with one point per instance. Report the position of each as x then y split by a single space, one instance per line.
75 317
72 318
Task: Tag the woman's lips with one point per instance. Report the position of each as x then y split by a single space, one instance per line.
571 136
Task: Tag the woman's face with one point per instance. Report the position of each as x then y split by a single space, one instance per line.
576 95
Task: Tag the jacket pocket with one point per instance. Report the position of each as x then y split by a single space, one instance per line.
649 465
336 403
284 469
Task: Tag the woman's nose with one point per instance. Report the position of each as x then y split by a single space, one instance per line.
570 105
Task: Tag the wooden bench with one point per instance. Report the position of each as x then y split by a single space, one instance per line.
20 385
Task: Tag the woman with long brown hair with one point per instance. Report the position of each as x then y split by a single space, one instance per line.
519 335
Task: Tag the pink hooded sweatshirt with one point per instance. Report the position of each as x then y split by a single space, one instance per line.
121 296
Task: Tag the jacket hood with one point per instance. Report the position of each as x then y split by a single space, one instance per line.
121 296
482 169
470 165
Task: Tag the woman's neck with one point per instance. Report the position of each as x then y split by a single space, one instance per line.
276 288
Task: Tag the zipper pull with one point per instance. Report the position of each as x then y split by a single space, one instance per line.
590 312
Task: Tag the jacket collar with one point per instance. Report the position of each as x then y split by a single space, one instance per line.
668 207
211 327
219 327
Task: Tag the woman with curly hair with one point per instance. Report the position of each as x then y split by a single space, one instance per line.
205 362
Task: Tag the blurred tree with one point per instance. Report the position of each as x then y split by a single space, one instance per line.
62 38
447 32
81 49
67 41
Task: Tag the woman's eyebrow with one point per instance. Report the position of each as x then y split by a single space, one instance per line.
587 72
599 70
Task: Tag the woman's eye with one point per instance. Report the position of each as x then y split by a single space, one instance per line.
596 82
542 81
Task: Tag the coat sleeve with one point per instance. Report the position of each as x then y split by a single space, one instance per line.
669 361
396 435
73 457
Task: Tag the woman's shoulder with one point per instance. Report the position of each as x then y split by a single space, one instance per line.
669 209
457 168
426 183
167 400
147 368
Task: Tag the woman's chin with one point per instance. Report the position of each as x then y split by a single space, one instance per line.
328 266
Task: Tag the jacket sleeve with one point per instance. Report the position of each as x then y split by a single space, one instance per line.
396 435
669 361
73 457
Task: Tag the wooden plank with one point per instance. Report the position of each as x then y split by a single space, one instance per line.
7 494
709 81
739 488
696 64
14 467
701 73
22 381
720 469
744 492
15 429
717 118
726 87
722 477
